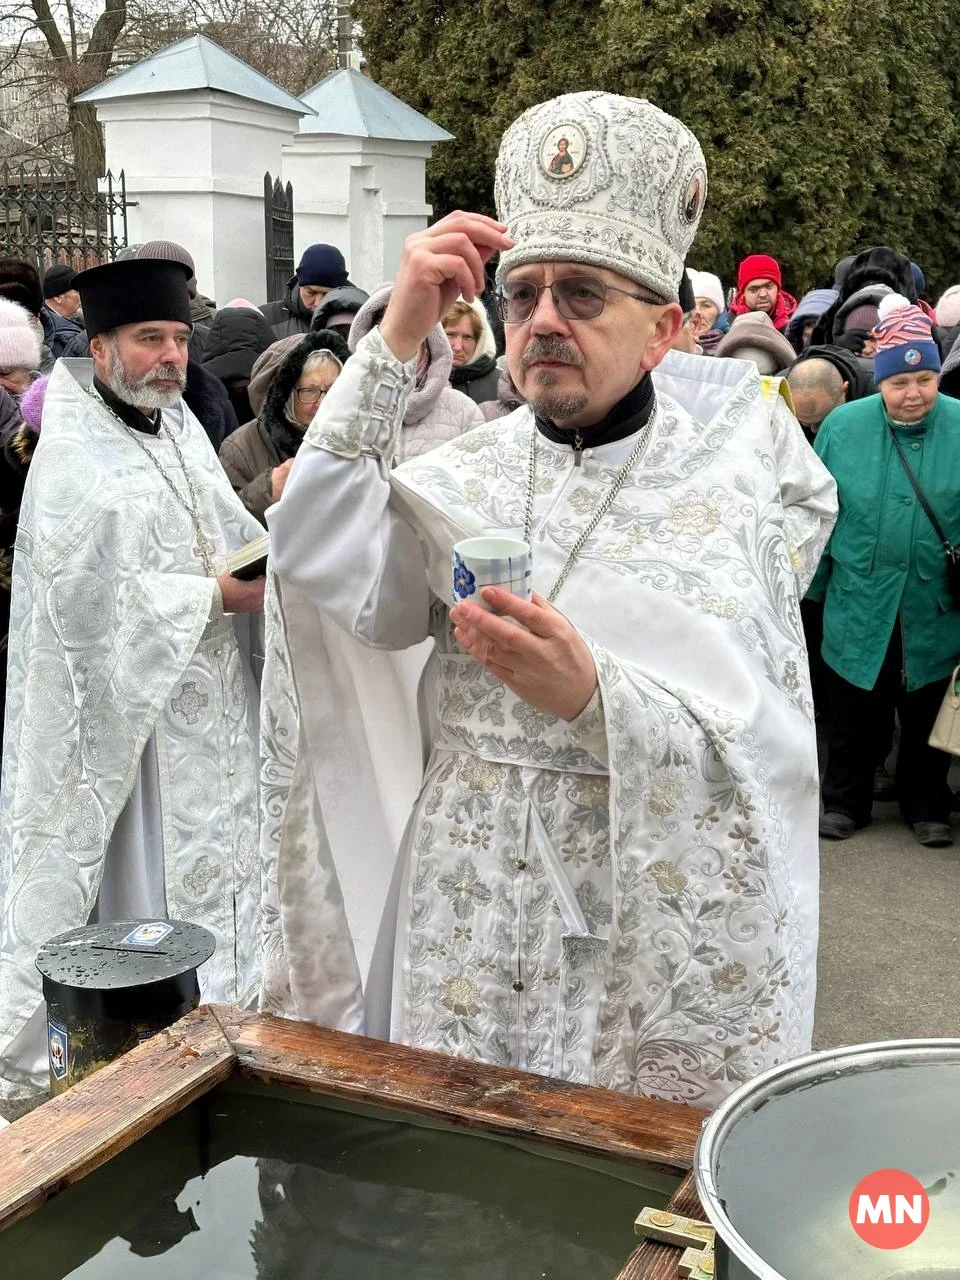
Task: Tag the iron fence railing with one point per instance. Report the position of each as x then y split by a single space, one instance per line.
49 219
278 234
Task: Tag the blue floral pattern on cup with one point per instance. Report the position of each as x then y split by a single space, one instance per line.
464 583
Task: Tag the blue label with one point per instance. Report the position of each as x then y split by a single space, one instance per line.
59 1049
148 935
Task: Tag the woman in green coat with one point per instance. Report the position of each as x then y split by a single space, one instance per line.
891 633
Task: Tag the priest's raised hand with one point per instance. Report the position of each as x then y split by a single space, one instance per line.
438 266
548 664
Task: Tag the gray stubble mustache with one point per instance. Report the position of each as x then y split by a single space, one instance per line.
550 349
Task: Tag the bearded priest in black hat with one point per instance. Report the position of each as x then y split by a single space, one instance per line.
129 768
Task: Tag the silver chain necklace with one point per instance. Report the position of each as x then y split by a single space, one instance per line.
608 499
190 502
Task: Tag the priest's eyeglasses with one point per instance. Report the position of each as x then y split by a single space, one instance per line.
575 297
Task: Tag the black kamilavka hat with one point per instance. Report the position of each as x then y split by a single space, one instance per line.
133 292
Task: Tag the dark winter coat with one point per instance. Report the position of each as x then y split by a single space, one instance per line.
854 370
17 443
58 331
874 266
479 380
810 307
950 373
508 399
202 310
207 399
349 299
78 348
947 339
234 341
13 475
288 315
249 455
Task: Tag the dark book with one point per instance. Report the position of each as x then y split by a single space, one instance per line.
250 561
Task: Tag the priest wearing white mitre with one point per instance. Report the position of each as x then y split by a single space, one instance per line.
130 758
609 873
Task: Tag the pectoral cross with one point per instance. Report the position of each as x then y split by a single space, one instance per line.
695 1238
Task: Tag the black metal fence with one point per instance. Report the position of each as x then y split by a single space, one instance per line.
47 218
278 234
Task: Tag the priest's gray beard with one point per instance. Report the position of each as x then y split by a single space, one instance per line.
141 392
542 396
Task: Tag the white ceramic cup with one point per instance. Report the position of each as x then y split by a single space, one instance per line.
491 562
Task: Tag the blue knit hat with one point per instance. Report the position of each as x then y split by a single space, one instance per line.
322 264
904 339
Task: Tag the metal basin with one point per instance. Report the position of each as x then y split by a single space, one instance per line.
777 1163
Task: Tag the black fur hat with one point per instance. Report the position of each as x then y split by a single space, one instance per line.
20 283
880 265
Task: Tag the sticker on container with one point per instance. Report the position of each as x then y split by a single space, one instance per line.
58 1044
148 935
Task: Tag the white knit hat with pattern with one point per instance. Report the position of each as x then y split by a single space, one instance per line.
19 342
605 180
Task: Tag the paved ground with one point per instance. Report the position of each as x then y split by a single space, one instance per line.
889 936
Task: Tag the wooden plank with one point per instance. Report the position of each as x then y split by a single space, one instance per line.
596 1122
652 1261
68 1137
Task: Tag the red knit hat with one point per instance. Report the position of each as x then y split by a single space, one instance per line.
758 267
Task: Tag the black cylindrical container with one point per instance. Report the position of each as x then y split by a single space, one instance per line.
109 986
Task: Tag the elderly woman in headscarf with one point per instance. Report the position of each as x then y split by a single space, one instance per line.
288 384
891 628
474 348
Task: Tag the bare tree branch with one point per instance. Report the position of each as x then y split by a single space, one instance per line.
51 50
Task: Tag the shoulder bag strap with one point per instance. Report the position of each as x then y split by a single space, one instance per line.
921 496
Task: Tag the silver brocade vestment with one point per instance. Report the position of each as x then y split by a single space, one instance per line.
675 820
117 642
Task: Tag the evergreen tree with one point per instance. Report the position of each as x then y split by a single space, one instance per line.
914 206
776 93
826 125
473 67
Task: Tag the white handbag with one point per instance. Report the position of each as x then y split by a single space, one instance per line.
946 727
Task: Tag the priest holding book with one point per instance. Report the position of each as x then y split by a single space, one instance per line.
129 783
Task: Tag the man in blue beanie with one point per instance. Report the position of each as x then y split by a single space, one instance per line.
321 269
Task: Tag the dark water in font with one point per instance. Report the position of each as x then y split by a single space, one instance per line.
787 1171
243 1186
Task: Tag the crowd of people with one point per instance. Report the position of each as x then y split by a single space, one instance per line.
608 865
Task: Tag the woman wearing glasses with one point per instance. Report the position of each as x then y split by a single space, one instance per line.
287 386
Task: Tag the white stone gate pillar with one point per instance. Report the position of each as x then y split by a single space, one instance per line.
194 129
358 169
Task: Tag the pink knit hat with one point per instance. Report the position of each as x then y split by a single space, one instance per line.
904 339
19 343
31 402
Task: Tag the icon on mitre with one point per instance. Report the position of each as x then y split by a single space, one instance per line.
563 151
